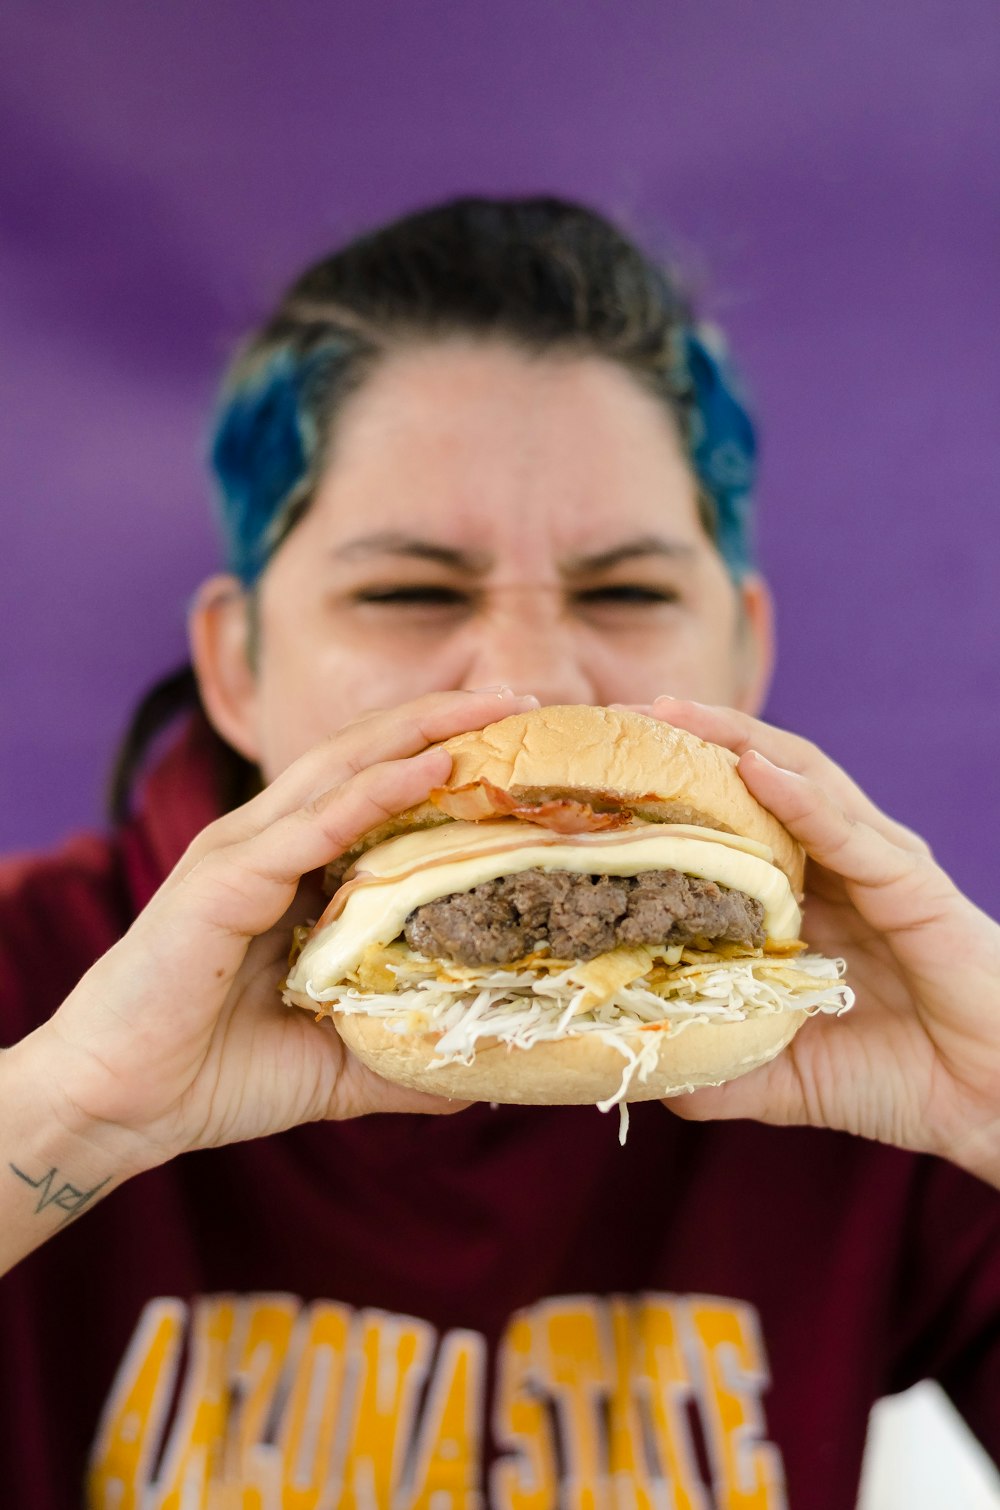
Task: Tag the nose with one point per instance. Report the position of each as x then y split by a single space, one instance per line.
524 640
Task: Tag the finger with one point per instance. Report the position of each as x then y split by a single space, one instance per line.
388 734
848 1075
741 733
854 850
784 1093
395 733
774 1093
360 1091
243 888
738 732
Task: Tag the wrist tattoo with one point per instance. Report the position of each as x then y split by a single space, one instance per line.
53 1190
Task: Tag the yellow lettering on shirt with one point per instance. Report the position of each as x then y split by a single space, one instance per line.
577 1373
663 1382
527 1477
258 1355
627 1460
194 1453
446 1476
121 1461
307 1431
391 1356
289 1407
747 1472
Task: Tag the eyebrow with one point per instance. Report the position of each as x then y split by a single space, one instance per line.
392 543
642 545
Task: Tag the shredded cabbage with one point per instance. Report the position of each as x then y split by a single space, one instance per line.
522 1007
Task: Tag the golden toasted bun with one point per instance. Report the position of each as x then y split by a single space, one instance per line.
614 760
572 1071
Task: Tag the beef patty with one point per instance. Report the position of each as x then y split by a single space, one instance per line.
580 916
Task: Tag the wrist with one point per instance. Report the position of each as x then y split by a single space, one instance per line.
89 1093
51 1171
46 1127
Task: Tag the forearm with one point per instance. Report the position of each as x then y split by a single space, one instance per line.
53 1165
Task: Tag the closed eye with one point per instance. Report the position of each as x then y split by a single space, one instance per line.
428 595
627 592
417 596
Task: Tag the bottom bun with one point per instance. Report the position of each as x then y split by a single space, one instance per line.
572 1071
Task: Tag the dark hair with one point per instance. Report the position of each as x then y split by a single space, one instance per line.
541 273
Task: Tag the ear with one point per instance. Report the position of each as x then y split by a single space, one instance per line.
755 651
220 632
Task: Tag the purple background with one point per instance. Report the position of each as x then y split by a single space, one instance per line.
830 174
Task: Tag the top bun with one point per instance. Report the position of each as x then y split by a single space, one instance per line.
613 760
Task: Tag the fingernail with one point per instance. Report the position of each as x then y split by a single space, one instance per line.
502 690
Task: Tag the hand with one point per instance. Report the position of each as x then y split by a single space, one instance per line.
177 1038
916 1063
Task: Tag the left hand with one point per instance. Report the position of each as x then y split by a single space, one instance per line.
916 1063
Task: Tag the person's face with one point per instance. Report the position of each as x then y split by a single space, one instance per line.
487 517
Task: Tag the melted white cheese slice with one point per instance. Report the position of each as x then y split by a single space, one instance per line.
416 868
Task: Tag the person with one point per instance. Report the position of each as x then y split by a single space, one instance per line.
486 447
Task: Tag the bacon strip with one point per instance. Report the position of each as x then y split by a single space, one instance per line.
477 800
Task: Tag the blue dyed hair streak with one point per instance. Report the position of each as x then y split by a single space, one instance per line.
268 442
722 444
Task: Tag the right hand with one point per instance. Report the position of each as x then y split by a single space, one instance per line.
177 1038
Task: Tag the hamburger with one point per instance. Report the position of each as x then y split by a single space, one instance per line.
593 908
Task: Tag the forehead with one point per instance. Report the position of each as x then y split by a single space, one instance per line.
498 448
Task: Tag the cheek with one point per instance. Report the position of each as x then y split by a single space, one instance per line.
692 657
307 695
708 667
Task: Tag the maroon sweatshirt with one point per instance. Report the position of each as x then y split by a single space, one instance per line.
499 1308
